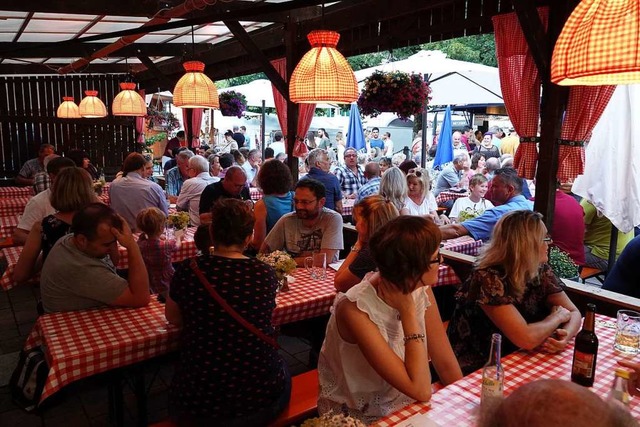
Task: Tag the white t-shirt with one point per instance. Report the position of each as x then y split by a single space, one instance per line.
428 205
465 203
346 377
37 208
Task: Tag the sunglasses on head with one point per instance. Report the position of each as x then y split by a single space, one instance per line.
416 172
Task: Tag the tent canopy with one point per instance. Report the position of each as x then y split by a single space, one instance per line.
452 82
259 90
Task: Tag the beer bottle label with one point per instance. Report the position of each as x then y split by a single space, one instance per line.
491 388
583 364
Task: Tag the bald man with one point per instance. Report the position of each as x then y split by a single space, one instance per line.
372 175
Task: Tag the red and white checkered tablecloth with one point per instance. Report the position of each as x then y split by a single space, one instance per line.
13 206
187 249
463 244
80 344
306 298
255 193
458 403
16 192
7 225
449 195
347 206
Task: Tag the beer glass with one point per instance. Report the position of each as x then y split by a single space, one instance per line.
316 264
627 332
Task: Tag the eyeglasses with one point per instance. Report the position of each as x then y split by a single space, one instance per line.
304 202
548 240
416 172
438 260
350 155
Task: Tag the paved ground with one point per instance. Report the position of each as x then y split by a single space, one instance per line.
85 403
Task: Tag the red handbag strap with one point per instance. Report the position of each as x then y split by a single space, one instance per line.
216 296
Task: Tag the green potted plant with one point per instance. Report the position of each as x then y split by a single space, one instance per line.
397 92
561 264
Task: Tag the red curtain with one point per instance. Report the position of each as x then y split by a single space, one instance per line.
185 125
520 84
306 111
196 123
140 123
585 106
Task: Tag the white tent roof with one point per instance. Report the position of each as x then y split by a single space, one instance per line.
453 82
258 90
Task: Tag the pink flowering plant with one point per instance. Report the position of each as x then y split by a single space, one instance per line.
397 92
161 119
232 103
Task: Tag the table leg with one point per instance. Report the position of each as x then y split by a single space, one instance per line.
116 400
141 394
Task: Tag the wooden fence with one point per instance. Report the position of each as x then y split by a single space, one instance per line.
28 107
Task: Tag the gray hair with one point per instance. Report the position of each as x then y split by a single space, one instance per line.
199 164
393 187
460 158
184 155
314 156
253 154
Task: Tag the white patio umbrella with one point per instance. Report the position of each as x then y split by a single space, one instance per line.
611 180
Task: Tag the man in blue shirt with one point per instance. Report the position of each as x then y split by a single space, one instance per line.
177 175
507 189
319 165
372 173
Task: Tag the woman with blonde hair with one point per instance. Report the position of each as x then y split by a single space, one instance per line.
370 214
393 187
72 190
512 291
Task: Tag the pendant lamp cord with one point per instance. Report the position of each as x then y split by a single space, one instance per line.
193 44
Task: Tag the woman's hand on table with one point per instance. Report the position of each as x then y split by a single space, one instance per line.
556 342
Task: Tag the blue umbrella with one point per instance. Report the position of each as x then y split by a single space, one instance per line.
355 134
444 153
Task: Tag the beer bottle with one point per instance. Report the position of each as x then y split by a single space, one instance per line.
585 352
492 374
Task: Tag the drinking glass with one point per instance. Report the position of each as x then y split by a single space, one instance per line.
627 332
316 264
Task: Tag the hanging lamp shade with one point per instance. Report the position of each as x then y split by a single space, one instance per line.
91 106
599 45
68 109
323 75
128 102
195 89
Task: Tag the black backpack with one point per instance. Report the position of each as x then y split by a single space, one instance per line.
28 379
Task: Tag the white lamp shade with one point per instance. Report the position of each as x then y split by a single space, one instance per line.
68 109
91 106
128 102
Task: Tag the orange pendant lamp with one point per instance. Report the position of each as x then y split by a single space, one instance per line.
91 106
128 102
599 45
68 109
195 89
323 75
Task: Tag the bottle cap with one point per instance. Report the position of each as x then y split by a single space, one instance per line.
623 373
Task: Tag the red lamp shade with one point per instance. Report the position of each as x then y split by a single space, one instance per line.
195 89
91 106
599 45
323 75
128 102
68 109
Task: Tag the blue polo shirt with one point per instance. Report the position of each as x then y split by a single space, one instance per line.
331 185
480 228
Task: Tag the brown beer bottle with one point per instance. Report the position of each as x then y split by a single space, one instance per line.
585 352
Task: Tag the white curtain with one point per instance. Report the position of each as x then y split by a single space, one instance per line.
611 179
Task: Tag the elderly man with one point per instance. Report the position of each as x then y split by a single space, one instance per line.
453 176
372 174
507 188
350 176
42 180
133 192
178 174
252 166
232 186
33 166
78 273
458 145
189 198
39 206
311 228
319 165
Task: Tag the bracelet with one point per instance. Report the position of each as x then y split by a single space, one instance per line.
412 337
354 249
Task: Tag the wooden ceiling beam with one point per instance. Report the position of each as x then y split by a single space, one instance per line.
165 80
79 49
51 68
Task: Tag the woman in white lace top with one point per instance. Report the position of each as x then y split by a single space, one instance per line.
383 331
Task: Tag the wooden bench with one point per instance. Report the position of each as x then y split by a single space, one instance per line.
303 404
589 272
607 302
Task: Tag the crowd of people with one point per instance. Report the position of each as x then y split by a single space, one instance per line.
385 329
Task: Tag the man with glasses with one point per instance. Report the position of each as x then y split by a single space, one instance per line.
350 176
177 175
319 165
189 198
311 228
233 186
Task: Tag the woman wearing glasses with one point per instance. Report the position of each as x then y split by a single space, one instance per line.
420 200
383 331
512 291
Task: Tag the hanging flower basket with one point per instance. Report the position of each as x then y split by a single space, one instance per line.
161 120
232 103
397 92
